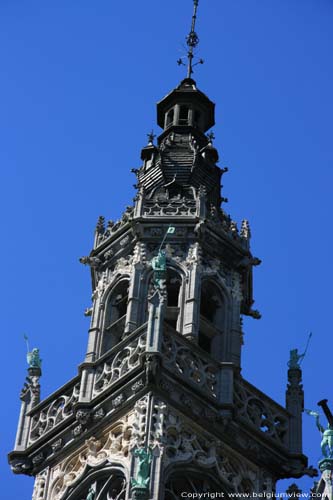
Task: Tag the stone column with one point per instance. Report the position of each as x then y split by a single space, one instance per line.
30 397
156 312
192 295
295 405
134 298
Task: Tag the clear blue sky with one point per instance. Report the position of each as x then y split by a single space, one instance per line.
79 82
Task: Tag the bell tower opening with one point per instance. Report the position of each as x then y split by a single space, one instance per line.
212 315
115 316
173 286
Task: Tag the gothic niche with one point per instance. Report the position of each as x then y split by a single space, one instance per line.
107 485
173 286
115 316
181 485
212 317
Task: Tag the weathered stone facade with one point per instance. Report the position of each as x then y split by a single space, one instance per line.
159 405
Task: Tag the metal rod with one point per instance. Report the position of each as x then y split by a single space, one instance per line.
326 410
192 39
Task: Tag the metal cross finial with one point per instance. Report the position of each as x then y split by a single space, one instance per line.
192 41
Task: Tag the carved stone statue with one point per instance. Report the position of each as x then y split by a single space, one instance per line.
143 470
33 359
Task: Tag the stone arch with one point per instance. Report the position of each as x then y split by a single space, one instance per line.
175 284
115 307
108 483
191 480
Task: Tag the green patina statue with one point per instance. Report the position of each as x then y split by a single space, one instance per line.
33 358
159 261
91 493
159 266
296 359
143 470
327 435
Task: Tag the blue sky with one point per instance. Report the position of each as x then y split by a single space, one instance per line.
79 82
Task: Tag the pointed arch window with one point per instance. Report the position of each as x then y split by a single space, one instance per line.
106 485
212 316
115 316
189 483
173 286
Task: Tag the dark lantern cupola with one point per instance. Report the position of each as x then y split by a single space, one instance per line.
186 107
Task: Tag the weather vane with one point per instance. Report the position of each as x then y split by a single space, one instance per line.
192 41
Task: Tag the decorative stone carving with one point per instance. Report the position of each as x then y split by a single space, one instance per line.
124 265
56 445
54 412
83 416
94 262
101 285
118 364
140 422
98 414
261 413
124 241
245 231
118 401
183 443
112 446
179 356
194 255
37 459
77 431
31 387
112 227
21 466
39 492
139 384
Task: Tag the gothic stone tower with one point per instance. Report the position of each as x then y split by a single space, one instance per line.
159 405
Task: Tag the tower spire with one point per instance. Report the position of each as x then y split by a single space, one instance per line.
192 40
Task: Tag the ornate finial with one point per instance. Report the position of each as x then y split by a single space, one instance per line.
100 226
245 231
210 136
192 41
151 138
